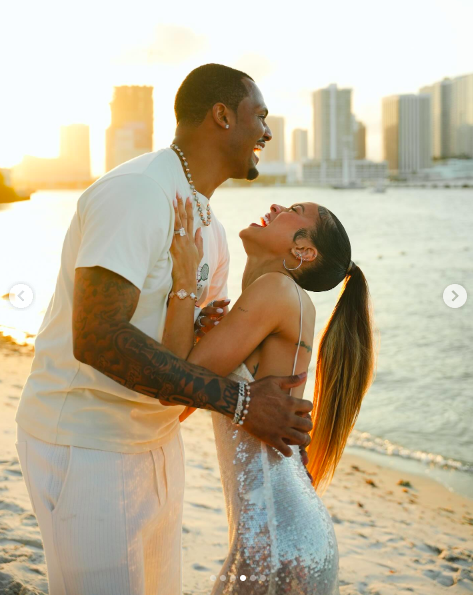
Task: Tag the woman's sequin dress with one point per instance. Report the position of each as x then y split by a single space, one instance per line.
280 533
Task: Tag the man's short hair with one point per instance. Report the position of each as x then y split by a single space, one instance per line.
204 87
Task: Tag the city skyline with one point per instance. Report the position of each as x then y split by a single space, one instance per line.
417 129
64 74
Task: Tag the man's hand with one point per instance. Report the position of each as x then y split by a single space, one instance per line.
304 455
276 418
210 316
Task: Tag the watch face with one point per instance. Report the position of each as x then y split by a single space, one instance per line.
204 272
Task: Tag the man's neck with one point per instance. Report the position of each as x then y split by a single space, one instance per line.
205 164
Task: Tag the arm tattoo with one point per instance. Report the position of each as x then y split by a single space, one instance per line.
242 309
308 347
255 370
104 303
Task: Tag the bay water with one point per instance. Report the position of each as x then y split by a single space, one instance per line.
410 243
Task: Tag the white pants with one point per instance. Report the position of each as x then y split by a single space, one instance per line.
110 522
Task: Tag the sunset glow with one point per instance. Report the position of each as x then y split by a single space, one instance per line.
65 58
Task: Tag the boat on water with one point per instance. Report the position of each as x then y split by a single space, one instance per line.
348 186
379 189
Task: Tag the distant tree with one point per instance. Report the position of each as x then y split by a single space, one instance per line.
7 194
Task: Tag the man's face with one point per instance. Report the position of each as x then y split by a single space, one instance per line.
250 133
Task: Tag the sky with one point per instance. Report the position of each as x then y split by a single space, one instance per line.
60 59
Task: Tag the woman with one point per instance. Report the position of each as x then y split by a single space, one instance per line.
281 535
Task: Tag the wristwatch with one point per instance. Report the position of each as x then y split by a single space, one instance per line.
182 294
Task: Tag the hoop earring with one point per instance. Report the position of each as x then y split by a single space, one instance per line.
297 267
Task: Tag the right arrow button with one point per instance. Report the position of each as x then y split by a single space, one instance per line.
455 296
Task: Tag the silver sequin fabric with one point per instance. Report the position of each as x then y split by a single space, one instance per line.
281 536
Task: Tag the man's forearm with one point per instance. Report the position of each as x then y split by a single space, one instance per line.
131 358
104 338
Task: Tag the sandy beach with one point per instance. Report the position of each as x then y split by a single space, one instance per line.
397 533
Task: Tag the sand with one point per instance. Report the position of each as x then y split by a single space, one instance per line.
393 539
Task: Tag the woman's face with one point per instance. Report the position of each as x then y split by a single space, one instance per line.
275 235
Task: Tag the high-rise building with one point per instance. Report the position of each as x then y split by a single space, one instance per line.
75 151
390 123
274 150
441 105
333 134
424 101
300 145
462 116
407 132
359 139
131 129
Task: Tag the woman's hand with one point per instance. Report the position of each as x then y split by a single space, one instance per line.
210 316
187 250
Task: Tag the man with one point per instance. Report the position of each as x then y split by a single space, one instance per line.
99 444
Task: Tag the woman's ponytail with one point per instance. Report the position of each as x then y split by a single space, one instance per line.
345 364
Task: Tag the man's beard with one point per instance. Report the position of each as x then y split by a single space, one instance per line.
252 174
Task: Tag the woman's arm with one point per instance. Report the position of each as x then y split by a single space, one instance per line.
186 252
247 324
178 335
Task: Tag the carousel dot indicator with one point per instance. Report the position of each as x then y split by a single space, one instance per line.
243 577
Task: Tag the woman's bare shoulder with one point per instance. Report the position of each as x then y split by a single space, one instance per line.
280 290
272 281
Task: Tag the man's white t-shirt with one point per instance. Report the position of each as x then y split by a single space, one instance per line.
124 222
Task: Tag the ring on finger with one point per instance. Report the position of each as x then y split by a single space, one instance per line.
181 232
199 322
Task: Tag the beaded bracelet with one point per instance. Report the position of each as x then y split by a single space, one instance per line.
247 404
239 407
243 403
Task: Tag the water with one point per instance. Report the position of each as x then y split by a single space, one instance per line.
410 243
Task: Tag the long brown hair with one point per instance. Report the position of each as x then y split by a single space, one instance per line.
345 358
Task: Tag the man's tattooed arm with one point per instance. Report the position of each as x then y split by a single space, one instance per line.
104 338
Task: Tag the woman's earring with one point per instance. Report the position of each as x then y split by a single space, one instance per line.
297 267
227 125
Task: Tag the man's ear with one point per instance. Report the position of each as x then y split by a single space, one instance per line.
306 251
220 114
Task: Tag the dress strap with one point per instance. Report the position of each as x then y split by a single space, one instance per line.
300 331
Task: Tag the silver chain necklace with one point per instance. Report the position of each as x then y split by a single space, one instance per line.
180 154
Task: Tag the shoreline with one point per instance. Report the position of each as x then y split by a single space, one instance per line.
454 480
398 532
